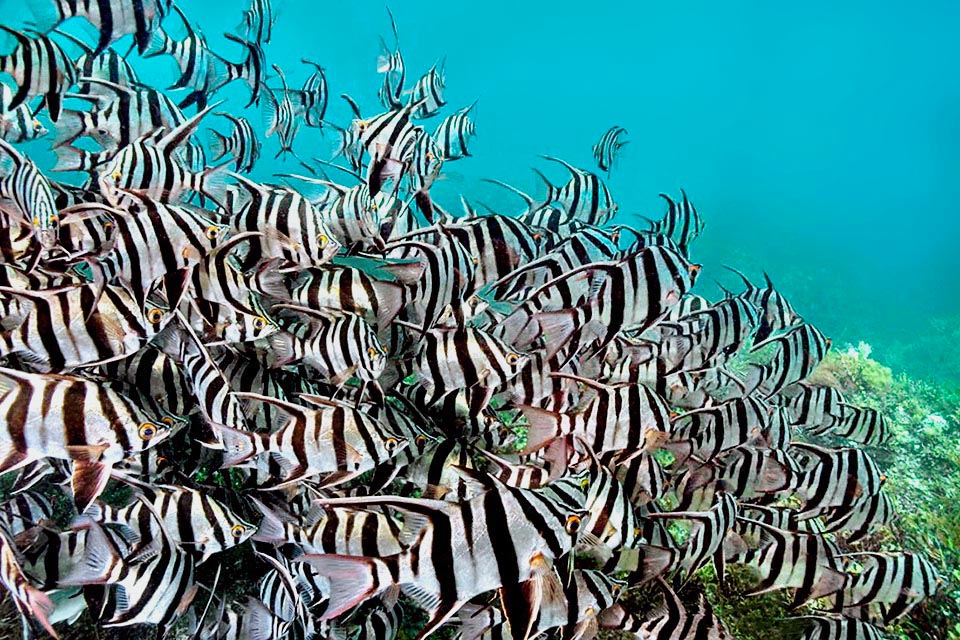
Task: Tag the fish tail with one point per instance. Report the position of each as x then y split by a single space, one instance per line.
219 144
353 579
239 446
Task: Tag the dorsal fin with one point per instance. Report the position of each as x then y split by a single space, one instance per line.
178 136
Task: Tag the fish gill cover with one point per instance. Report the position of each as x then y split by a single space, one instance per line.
322 402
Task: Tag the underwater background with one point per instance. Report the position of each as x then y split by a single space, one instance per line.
820 142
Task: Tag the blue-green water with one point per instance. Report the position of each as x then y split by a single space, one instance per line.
820 142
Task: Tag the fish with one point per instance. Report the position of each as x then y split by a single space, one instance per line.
18 125
242 143
39 67
112 19
607 148
69 418
453 134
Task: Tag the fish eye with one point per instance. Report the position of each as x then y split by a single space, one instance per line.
420 440
212 232
237 531
695 269
323 240
429 156
513 359
168 420
390 444
475 260
373 352
259 323
573 524
147 431
616 589
154 316
116 177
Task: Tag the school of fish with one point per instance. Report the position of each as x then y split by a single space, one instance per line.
394 415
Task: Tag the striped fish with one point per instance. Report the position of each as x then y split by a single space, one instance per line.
302 238
835 477
681 223
258 21
326 438
796 354
426 97
155 590
584 196
465 358
193 60
80 325
349 290
390 138
777 312
113 19
625 418
39 67
608 147
632 295
242 143
390 63
805 562
252 69
280 117
339 346
860 520
150 166
72 419
709 530
23 510
121 116
30 192
825 627
107 65
310 102
812 407
336 530
454 133
672 621
18 125
888 586
501 538
201 525
155 241
707 433
863 425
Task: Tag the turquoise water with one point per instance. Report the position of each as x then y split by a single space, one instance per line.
819 142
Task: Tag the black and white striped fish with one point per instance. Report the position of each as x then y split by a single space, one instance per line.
606 150
121 115
310 102
193 59
30 192
454 134
390 138
113 19
258 21
151 166
681 223
584 196
242 143
835 477
107 65
67 418
390 63
888 586
200 524
499 539
280 117
18 125
426 97
252 69
797 352
777 313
